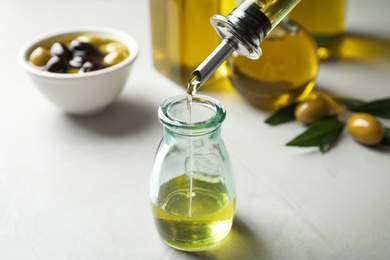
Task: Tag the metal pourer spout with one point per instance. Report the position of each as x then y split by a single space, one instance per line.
241 31
209 66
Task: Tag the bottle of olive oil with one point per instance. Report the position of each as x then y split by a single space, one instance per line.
285 73
325 19
242 31
182 36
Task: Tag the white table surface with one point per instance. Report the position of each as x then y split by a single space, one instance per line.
77 188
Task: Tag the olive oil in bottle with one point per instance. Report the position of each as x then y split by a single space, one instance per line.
182 36
285 72
325 19
241 31
193 218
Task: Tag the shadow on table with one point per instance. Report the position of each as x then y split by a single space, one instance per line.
240 244
125 116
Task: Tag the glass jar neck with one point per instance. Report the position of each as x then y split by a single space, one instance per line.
199 117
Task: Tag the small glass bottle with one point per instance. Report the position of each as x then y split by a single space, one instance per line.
182 36
192 188
325 19
285 73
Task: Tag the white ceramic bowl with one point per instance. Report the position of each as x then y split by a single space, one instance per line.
86 93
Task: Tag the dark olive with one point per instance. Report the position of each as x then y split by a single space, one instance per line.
91 66
57 64
78 61
82 48
60 49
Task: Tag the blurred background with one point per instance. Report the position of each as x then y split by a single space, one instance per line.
78 187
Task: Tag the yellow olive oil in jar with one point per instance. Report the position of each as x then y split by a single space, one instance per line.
325 19
196 218
192 189
182 36
284 73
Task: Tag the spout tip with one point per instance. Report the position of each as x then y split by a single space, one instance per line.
194 83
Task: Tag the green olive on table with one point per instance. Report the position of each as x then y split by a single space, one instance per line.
40 56
310 111
365 128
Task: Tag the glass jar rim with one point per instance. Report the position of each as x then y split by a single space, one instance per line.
208 124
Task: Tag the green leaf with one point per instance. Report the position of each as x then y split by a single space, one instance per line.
349 102
380 108
386 138
283 115
322 134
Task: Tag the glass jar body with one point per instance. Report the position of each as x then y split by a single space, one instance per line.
192 185
182 37
325 20
285 72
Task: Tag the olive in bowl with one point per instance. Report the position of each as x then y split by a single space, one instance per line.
82 70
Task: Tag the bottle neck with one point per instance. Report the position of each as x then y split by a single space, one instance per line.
250 22
245 27
202 116
171 137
